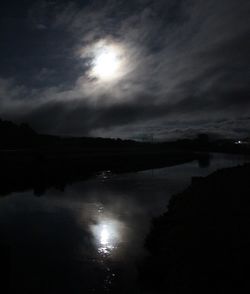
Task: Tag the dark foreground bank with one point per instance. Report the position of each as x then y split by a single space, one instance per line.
202 243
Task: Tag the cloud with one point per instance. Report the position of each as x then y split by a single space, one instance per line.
186 61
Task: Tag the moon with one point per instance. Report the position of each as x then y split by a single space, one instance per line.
108 63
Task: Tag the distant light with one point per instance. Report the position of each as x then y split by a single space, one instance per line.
238 142
245 143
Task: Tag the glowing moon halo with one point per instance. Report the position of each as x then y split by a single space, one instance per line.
106 64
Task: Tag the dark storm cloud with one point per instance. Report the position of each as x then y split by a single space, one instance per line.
187 67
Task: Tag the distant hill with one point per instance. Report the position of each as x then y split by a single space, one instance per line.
14 136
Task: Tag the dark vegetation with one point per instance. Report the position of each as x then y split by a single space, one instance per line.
201 244
32 160
205 143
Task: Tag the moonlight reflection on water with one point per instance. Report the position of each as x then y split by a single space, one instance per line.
107 233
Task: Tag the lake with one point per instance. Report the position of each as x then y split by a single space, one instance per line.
89 238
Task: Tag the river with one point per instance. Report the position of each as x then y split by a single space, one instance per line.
89 238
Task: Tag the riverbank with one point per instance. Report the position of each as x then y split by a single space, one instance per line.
40 169
201 244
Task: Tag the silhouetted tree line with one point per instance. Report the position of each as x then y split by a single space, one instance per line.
203 142
14 136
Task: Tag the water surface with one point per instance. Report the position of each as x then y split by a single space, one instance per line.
89 238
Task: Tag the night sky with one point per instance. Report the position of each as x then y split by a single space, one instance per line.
127 68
